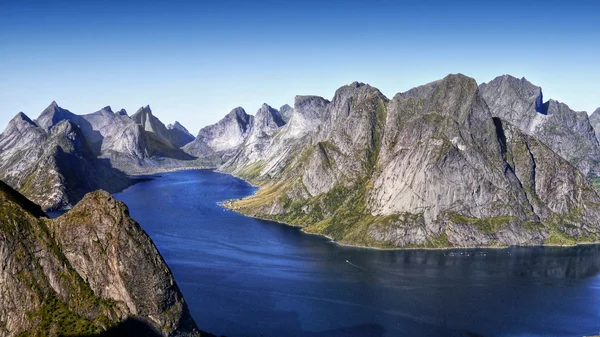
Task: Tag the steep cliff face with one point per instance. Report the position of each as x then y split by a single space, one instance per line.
82 273
567 132
430 168
595 122
53 169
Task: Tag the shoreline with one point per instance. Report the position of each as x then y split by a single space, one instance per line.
169 170
227 205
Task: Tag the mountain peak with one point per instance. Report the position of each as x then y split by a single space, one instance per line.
22 116
268 116
122 112
107 109
52 115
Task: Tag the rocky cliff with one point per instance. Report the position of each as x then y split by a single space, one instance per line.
430 168
567 132
84 272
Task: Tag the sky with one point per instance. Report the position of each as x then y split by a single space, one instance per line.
194 61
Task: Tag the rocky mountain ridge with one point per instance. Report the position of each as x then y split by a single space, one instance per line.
88 271
433 167
60 156
568 133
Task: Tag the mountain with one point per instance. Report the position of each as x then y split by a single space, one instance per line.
286 112
52 115
61 156
179 135
595 122
90 270
217 141
430 168
567 132
54 169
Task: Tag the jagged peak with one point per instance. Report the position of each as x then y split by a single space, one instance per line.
285 107
238 113
108 109
178 126
301 100
122 112
356 84
356 88
267 114
144 109
514 82
21 116
51 107
421 91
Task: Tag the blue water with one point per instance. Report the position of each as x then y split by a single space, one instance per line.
248 277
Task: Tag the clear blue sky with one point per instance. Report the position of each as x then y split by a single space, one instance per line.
195 61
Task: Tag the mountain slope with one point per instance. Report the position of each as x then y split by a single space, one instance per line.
217 142
566 132
82 273
429 168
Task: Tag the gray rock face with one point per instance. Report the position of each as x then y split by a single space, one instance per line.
286 112
217 141
566 132
52 115
595 122
84 272
430 168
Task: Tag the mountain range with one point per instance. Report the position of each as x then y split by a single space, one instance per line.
448 163
60 156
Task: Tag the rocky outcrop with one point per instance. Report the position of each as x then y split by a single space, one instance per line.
567 132
83 273
430 168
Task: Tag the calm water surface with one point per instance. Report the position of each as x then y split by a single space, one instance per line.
248 277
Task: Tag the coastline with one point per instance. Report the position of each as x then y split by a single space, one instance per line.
227 204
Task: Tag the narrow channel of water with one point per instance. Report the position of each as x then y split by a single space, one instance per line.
249 277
